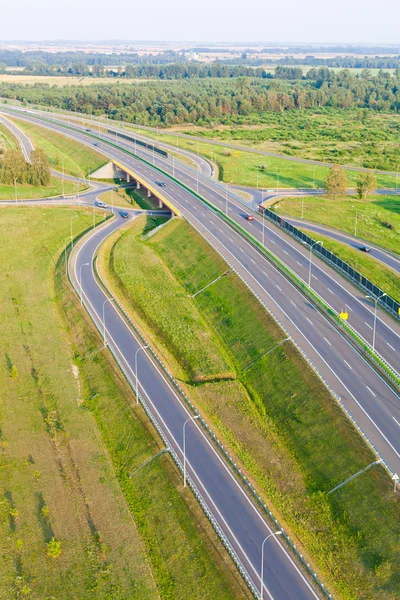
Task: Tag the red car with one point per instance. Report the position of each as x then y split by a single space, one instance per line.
249 218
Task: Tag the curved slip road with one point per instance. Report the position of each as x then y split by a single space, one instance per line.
374 405
236 515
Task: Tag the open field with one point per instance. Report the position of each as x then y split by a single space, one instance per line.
276 416
30 192
342 213
347 136
59 80
77 159
56 479
378 273
7 140
68 441
247 168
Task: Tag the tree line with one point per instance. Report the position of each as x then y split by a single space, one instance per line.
15 169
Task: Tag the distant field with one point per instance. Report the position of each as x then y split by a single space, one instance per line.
29 192
63 81
341 214
276 416
248 168
78 160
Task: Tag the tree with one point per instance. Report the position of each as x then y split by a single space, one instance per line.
366 184
336 182
39 169
13 167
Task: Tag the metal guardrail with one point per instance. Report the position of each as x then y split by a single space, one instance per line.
354 276
130 138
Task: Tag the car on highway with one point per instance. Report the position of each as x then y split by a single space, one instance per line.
88 130
160 183
101 204
365 249
124 214
249 218
96 144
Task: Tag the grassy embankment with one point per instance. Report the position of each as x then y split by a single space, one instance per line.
27 192
79 160
125 197
276 416
69 438
373 216
377 272
244 168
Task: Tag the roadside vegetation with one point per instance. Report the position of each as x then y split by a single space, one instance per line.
124 196
274 414
63 153
73 523
376 220
384 277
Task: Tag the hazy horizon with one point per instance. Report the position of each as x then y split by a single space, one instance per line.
358 22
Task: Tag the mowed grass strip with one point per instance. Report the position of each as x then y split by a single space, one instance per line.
290 435
382 276
63 152
167 310
56 477
123 197
373 216
186 557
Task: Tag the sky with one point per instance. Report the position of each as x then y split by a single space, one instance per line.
342 21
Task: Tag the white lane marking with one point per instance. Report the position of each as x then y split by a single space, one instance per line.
330 291
253 261
299 263
286 252
241 249
349 307
327 341
396 421
391 346
368 325
293 303
278 287
368 388
264 273
315 277
272 241
350 367
309 321
231 240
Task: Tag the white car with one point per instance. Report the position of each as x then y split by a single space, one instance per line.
101 204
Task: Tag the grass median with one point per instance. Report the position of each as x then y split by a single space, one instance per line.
276 416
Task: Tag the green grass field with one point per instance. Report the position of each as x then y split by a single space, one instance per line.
276 416
246 168
78 160
30 192
129 197
378 273
69 437
371 216
7 140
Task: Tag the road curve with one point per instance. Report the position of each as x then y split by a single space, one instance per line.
237 516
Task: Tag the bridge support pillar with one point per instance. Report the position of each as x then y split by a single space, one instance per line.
148 193
160 204
137 185
128 178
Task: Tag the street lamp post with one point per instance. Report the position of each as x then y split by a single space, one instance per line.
376 300
184 447
262 560
104 320
136 371
80 279
197 187
309 269
63 190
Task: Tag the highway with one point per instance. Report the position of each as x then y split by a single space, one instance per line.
374 405
240 521
330 285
